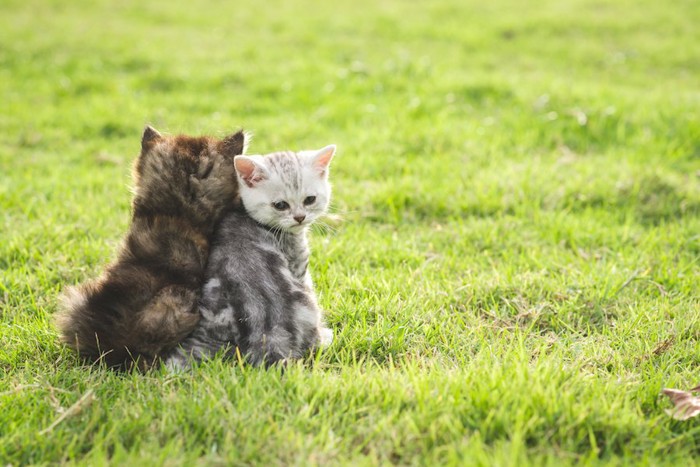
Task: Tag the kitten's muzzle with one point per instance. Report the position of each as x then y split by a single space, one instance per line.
299 219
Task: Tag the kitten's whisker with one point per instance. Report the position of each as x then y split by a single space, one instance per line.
324 228
335 211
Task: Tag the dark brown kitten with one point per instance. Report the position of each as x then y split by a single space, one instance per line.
145 302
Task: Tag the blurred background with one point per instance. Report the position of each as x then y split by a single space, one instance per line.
408 90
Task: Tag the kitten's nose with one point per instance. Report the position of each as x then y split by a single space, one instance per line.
299 219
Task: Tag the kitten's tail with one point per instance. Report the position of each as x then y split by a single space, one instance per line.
78 328
120 335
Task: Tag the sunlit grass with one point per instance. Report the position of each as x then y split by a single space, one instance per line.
515 273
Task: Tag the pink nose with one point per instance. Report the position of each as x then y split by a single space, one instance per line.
299 219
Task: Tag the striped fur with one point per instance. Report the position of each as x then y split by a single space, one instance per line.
258 297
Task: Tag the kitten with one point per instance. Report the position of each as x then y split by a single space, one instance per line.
145 302
258 297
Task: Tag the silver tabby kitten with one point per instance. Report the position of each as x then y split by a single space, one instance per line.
258 295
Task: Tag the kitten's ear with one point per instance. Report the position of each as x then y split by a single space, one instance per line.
322 159
235 144
250 171
149 138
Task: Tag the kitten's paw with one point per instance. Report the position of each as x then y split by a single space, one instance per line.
326 335
176 364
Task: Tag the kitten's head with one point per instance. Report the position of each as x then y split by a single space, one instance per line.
285 190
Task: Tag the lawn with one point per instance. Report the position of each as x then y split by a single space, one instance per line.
512 271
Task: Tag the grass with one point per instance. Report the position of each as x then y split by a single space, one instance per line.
516 275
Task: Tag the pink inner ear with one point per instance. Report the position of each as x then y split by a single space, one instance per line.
323 157
249 172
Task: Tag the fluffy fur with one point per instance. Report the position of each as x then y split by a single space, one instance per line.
258 297
145 302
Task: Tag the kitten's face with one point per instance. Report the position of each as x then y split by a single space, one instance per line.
285 190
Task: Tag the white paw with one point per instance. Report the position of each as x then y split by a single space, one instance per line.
176 364
326 336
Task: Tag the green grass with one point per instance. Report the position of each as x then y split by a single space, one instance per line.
516 274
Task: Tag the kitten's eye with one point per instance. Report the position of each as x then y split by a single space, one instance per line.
280 205
309 200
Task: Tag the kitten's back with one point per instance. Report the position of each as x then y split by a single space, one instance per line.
251 299
145 301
